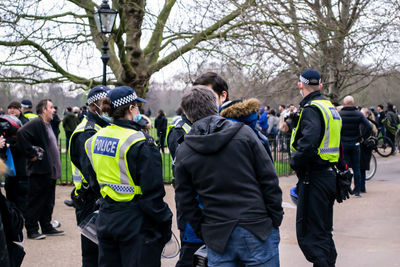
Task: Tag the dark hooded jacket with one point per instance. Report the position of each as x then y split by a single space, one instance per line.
225 164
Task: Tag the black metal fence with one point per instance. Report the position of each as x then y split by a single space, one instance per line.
279 149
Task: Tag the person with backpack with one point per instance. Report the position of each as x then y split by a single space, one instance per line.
391 123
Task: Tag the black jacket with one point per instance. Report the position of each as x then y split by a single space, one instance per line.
145 165
309 137
226 165
34 133
18 155
161 123
55 124
352 121
78 152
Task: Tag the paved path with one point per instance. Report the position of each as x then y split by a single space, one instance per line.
366 230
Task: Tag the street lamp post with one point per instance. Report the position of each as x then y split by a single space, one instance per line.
105 19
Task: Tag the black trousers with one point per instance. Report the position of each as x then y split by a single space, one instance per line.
67 137
314 220
122 242
17 188
90 250
40 206
161 139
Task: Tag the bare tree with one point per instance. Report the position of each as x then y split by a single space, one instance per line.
46 39
347 40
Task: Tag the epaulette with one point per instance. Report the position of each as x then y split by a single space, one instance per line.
90 125
149 138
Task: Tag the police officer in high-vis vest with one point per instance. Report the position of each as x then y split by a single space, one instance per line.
190 243
134 222
315 147
84 196
26 105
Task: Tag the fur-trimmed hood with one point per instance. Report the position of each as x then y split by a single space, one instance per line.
240 108
245 111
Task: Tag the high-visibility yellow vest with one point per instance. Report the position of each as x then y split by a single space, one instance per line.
30 116
77 176
107 151
178 124
329 148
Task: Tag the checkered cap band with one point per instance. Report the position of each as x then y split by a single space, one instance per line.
306 81
96 97
124 100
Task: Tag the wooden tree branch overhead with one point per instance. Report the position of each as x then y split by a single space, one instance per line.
131 62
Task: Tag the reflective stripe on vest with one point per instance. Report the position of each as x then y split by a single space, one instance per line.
77 176
329 147
30 115
178 124
107 151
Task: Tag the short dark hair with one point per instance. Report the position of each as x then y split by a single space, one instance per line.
381 106
217 83
69 109
199 102
14 104
42 105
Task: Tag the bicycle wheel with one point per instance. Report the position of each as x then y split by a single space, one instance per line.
372 168
384 147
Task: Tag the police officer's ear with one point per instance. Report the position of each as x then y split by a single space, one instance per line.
320 86
300 85
187 117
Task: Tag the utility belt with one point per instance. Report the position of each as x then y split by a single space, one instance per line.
112 201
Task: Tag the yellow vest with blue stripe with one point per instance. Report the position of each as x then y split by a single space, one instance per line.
178 124
30 115
77 176
329 148
107 151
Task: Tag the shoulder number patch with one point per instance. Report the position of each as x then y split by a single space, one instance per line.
335 114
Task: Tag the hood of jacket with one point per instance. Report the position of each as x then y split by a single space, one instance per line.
210 134
245 111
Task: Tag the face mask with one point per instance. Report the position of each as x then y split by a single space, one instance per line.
105 117
301 93
137 117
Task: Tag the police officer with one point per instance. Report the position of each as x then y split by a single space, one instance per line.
134 222
26 105
84 196
315 146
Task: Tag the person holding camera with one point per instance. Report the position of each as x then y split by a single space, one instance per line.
16 186
39 145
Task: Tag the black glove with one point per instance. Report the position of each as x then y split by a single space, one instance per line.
166 232
343 185
79 197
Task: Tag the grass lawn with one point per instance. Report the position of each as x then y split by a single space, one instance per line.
282 168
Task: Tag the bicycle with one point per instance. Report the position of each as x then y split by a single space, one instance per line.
372 168
382 145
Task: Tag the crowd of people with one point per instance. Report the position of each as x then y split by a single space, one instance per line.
227 191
